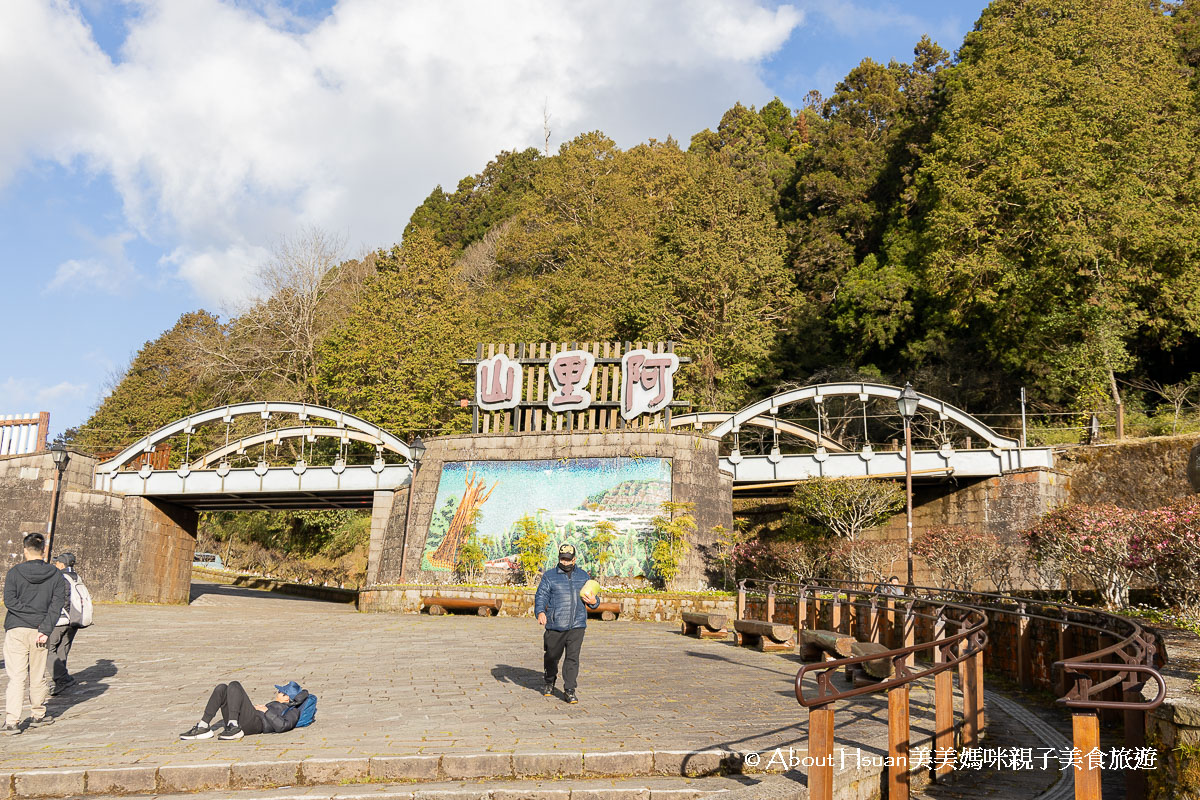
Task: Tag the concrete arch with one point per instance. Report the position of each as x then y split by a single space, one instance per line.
863 391
768 422
344 434
263 409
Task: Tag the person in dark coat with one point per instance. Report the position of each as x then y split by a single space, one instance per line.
562 611
244 718
34 596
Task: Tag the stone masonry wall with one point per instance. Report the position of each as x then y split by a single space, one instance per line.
695 478
128 548
1137 473
1004 506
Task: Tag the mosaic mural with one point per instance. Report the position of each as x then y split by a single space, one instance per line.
566 499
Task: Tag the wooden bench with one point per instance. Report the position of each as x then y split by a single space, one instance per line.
704 625
484 607
606 611
769 637
816 644
868 672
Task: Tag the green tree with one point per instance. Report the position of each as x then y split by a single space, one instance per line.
531 543
729 292
600 546
845 506
1059 193
671 531
394 359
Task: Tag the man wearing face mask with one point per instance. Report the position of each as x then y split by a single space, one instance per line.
562 611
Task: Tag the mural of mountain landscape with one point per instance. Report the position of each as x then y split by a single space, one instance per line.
565 499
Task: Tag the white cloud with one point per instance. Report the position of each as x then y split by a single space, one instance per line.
224 129
23 395
110 272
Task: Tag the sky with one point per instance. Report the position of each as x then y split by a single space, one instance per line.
154 152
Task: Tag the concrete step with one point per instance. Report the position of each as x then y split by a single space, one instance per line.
549 789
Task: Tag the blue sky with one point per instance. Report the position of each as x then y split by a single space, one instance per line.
153 152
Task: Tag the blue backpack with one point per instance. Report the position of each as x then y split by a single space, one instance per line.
308 712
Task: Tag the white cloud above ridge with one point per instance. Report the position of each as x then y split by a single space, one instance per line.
223 131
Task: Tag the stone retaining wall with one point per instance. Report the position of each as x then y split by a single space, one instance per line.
128 548
518 601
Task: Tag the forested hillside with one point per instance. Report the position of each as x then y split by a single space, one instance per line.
1023 213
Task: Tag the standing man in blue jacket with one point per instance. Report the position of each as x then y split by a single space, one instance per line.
563 612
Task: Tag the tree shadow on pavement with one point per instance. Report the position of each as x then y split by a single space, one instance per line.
521 676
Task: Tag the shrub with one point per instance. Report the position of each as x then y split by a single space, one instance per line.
867 560
846 506
471 557
671 531
957 554
1167 545
604 533
531 544
1091 542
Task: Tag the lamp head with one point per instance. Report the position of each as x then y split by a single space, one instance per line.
907 402
61 457
417 449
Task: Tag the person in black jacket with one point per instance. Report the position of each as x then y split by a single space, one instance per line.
243 718
562 611
34 596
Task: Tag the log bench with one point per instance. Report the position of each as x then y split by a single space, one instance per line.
868 672
769 637
815 644
483 606
607 611
703 625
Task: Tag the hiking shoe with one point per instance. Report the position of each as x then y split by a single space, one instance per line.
571 698
10 730
43 720
548 690
231 732
198 733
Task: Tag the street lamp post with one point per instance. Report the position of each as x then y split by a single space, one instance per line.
60 458
907 405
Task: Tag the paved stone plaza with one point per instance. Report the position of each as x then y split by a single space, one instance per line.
406 684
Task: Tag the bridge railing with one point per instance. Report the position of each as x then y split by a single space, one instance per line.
1097 662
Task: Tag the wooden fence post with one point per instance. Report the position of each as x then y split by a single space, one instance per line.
741 601
820 750
771 602
1024 653
943 702
981 719
898 744
1085 729
970 682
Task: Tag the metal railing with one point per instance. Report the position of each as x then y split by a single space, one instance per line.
1042 644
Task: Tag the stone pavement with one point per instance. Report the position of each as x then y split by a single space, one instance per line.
410 684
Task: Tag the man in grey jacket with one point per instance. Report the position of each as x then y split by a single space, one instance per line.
561 610
34 596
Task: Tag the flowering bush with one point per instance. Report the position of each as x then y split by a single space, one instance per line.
1090 542
1167 545
958 555
868 560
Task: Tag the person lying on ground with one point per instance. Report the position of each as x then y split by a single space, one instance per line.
243 718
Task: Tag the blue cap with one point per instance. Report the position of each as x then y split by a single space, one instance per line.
291 689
